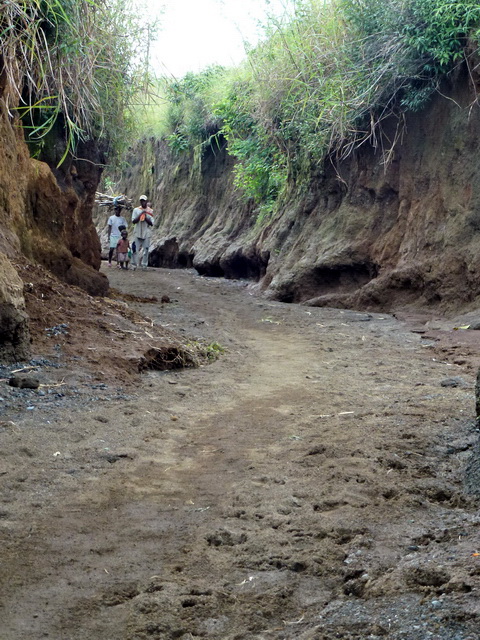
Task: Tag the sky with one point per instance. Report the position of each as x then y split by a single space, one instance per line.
197 33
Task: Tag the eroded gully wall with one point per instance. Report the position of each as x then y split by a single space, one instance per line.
45 218
366 235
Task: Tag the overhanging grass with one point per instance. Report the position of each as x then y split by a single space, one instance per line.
72 65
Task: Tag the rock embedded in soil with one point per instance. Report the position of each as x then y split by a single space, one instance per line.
14 334
24 382
456 381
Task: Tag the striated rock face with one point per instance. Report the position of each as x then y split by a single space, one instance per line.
14 335
366 235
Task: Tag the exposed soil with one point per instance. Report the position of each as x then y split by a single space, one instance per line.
309 484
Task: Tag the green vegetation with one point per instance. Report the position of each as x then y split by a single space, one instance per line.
152 118
319 86
208 352
73 66
190 118
214 350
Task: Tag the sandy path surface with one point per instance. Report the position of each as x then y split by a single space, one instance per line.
308 484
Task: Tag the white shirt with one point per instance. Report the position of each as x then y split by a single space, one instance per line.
114 222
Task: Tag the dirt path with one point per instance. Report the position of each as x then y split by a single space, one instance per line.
306 485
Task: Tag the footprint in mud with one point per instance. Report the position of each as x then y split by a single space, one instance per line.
393 463
328 505
426 577
118 594
448 497
355 499
226 538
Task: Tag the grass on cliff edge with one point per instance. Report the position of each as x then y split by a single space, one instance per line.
322 84
73 66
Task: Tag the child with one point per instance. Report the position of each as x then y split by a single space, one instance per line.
123 246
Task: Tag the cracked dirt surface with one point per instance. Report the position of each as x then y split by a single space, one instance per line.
308 484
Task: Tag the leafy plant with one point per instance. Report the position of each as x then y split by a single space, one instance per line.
214 350
190 116
178 142
211 351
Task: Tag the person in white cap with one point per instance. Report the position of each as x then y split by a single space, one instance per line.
142 219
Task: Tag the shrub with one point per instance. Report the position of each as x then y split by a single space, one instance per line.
190 116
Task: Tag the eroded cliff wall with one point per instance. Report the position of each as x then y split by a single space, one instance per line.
368 234
45 218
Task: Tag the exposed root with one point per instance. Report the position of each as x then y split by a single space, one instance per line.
169 357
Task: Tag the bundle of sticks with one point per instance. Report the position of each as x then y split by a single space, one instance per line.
105 200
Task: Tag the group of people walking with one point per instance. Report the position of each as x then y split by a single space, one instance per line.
118 242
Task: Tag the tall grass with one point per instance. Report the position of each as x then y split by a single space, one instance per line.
73 65
191 114
322 84
152 116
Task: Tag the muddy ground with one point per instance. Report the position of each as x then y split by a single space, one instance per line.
308 484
